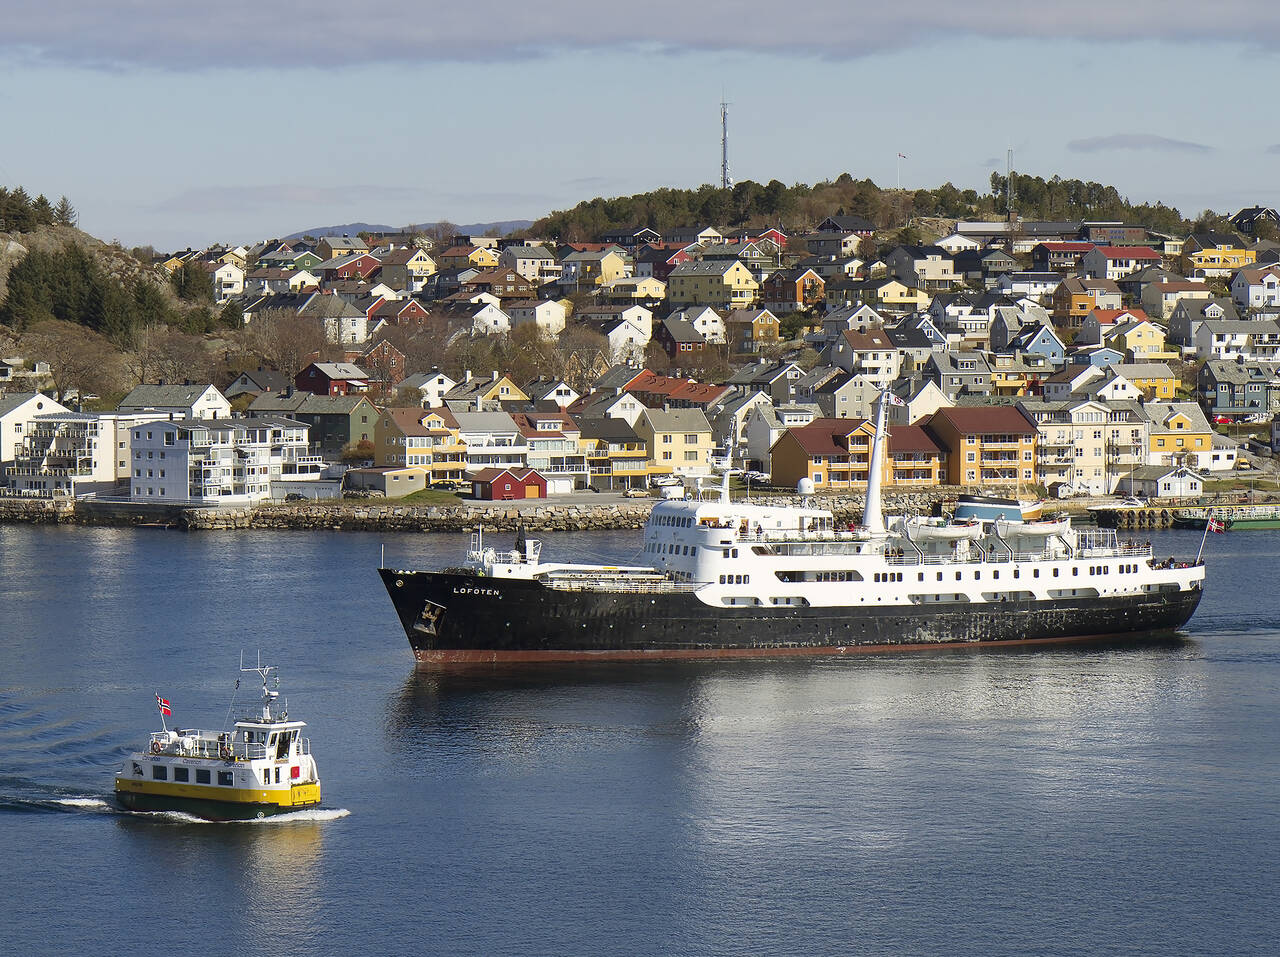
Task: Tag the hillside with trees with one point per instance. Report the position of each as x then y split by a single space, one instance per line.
796 208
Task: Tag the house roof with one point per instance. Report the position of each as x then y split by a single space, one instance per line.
819 436
152 395
985 419
677 420
912 438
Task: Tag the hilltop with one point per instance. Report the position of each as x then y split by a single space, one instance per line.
500 228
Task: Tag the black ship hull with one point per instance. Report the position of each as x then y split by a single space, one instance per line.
461 619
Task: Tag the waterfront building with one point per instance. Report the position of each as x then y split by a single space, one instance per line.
217 461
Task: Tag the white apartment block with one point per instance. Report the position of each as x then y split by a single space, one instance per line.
217 462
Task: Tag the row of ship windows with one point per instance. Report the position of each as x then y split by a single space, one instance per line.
735 579
885 577
160 772
660 549
676 521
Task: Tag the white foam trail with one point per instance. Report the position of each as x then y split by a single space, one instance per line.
81 802
290 817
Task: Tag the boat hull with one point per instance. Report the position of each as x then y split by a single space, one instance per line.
474 620
206 808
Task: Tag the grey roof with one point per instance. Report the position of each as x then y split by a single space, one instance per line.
11 400
677 420
609 428
485 422
617 377
155 396
681 330
306 403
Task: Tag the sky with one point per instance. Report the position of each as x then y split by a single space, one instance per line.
180 124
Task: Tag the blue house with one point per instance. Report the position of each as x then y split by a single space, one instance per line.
1040 340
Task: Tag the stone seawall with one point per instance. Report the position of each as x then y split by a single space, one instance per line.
546 516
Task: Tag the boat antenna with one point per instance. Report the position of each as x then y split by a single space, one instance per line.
872 515
264 672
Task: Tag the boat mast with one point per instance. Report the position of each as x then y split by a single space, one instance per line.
872 515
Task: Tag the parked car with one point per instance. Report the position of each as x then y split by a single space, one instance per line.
635 493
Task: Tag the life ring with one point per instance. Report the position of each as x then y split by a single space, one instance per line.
155 747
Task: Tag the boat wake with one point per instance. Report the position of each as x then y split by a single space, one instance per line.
309 816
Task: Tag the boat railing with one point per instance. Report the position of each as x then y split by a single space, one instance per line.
213 745
641 586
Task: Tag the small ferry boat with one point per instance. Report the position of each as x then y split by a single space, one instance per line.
264 766
1235 517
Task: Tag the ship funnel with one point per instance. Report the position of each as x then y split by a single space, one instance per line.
872 515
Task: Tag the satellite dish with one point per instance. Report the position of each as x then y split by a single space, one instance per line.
804 486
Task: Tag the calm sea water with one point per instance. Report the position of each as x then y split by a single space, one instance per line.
1118 800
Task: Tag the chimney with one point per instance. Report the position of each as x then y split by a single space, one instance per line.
495 375
466 376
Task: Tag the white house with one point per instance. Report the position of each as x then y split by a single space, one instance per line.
73 453
708 322
1115 262
218 461
547 314
186 401
1238 339
432 386
1034 285
17 412
228 280
1257 288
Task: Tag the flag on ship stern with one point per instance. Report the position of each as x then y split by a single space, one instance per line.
163 705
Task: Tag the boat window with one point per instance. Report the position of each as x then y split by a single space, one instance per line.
159 772
224 779
286 740
181 774
202 776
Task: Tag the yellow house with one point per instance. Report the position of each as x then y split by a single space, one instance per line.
617 458
1140 340
593 267
726 283
832 453
885 291
1180 434
1155 379
496 388
678 440
462 257
419 439
986 445
1216 254
635 289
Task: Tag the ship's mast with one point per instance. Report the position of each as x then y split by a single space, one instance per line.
725 180
872 515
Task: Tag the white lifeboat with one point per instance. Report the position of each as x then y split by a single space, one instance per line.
1044 528
922 529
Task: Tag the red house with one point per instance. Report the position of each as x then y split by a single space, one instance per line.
506 485
332 378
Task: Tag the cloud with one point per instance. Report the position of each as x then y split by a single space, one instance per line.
325 34
220 199
1136 141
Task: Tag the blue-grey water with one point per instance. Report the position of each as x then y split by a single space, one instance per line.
1116 800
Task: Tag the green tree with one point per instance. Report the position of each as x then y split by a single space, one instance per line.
192 282
64 214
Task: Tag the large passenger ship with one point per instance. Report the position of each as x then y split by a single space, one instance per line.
723 578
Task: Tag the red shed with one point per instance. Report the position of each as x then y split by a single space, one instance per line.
505 485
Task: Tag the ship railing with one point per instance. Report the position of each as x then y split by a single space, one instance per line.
641 587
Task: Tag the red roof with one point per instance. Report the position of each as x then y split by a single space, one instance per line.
1109 317
819 436
985 419
911 438
1068 247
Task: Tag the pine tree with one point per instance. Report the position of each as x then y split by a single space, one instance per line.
64 214
43 210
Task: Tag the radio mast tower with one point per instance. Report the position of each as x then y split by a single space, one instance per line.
725 181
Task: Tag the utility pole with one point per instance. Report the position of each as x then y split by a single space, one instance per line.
725 181
1008 184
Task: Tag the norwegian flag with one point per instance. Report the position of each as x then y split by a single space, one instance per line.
1217 526
902 156
163 705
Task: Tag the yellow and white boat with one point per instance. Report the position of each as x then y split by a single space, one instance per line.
264 766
